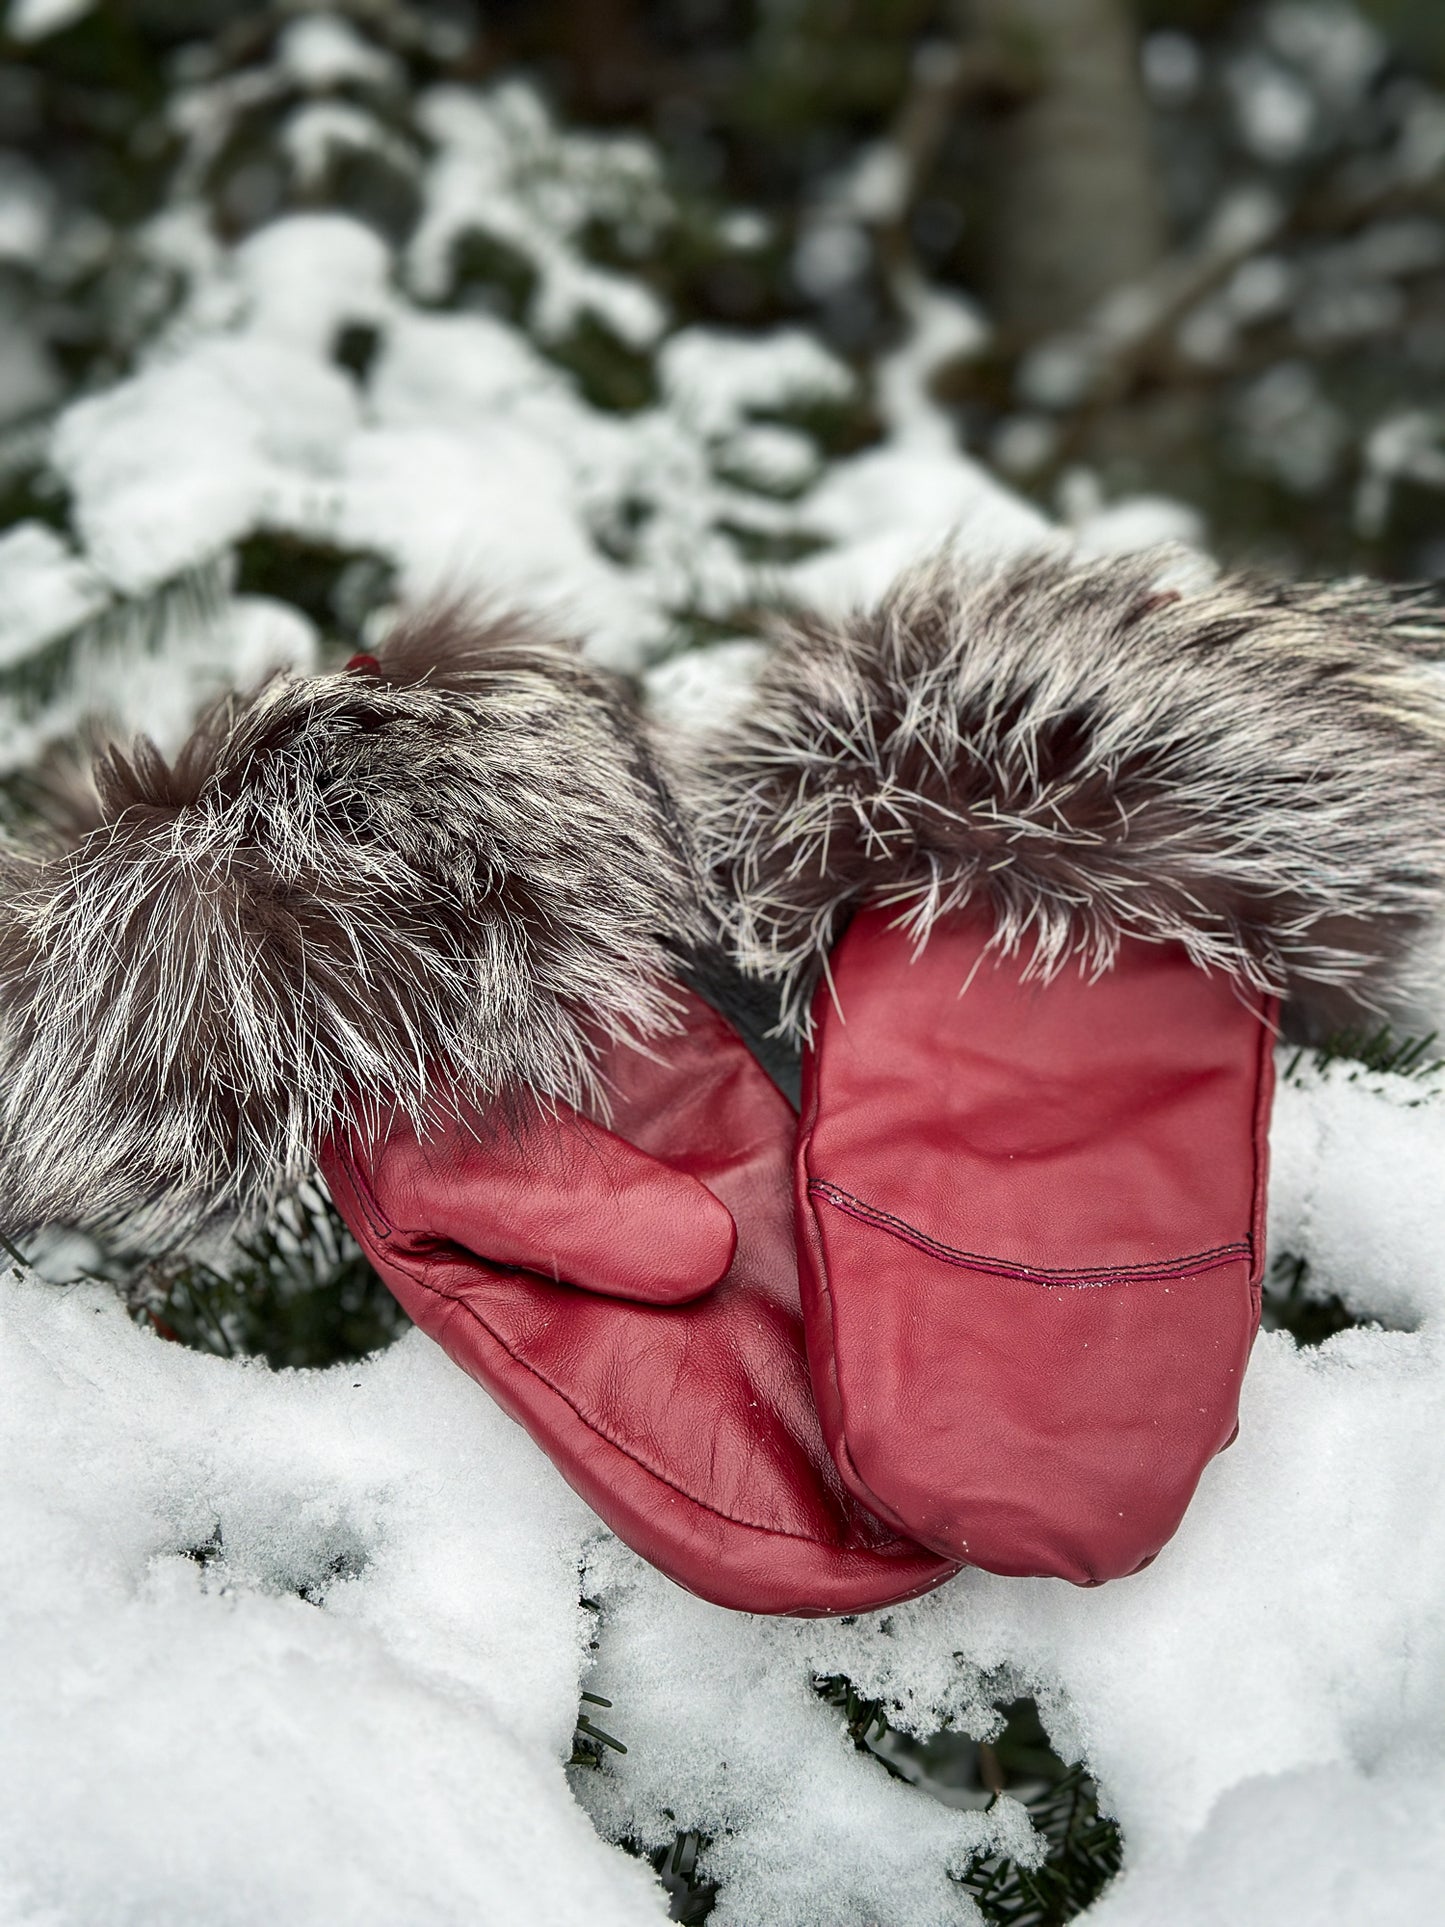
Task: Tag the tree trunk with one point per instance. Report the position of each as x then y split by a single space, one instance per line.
1073 192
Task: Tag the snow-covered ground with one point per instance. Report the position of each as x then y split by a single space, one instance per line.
188 1739
309 1646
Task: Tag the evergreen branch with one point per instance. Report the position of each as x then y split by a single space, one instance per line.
299 1292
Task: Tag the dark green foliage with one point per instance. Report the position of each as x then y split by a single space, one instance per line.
28 492
775 547
955 1767
38 677
609 373
1084 1849
1289 1303
589 1739
337 588
767 107
207 1552
141 626
85 103
81 98
691 1899
355 349
297 1292
1309 1318
487 273
1377 1050
773 106
331 1568
1085 1853
864 1718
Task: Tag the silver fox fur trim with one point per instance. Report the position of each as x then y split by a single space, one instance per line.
352 889
1254 771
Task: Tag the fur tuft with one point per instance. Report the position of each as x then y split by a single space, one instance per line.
1256 772
353 889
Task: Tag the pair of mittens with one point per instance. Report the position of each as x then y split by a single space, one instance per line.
1028 855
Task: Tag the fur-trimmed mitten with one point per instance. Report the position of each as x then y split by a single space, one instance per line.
1031 855
422 922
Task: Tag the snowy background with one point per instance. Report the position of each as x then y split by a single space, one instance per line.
308 1645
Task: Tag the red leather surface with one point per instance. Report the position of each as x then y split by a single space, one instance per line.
690 1427
565 1198
1030 1226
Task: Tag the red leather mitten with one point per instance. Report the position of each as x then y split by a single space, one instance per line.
554 1260
1031 1223
422 921
1030 855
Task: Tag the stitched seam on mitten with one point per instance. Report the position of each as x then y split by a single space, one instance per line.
749 1525
842 1447
381 1226
1080 1277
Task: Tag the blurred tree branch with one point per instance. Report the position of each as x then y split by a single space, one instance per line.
946 77
1132 337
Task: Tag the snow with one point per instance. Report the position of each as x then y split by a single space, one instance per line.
1402 447
304 279
1261 1705
1336 47
1259 1857
1277 113
169 467
942 328
26 213
1291 428
38 19
321 50
831 253
1125 528
48 590
724 1731
467 459
143 666
717 381
502 171
315 133
883 509
700 688
1172 66
200 1742
464 457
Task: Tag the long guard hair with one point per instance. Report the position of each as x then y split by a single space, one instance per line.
460 867
1251 770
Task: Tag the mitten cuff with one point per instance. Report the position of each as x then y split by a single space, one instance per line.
1254 771
456 865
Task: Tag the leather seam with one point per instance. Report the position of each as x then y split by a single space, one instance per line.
841 1449
748 1525
362 1193
1081 1277
381 1226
